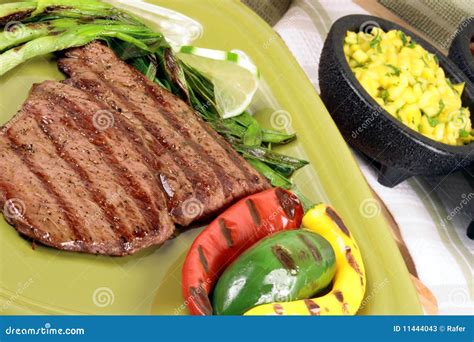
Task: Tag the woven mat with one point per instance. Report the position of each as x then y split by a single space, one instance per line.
269 10
437 19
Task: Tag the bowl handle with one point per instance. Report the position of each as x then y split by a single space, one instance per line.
390 176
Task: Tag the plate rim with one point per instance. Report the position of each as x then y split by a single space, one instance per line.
278 49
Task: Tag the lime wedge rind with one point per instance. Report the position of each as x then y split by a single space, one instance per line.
235 77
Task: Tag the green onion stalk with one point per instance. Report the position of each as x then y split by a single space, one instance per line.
35 28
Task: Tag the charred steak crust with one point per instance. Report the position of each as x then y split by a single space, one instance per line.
107 162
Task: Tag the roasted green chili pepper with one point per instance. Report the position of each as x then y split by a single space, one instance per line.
286 266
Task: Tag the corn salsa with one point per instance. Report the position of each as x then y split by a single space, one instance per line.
407 81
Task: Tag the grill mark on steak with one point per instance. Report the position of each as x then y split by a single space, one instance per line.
157 95
199 179
22 222
221 174
42 215
73 223
117 70
70 183
167 171
110 133
149 159
198 183
95 193
121 172
89 157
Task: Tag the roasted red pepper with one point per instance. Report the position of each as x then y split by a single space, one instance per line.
230 234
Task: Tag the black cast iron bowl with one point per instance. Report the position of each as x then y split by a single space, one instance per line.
459 52
400 151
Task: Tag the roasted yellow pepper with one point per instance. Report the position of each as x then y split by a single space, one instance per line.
407 82
349 283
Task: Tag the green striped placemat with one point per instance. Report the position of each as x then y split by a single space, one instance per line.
270 10
437 19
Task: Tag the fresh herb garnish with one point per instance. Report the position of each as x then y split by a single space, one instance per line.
424 61
375 43
385 95
450 84
432 121
403 37
441 107
395 71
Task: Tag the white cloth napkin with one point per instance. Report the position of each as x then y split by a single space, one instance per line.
432 214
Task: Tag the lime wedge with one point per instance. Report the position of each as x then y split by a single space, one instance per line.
233 74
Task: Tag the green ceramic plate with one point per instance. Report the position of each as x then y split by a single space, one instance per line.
46 281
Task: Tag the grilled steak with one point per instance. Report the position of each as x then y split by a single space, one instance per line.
108 162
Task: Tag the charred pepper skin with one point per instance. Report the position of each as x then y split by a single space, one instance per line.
349 283
286 266
229 235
